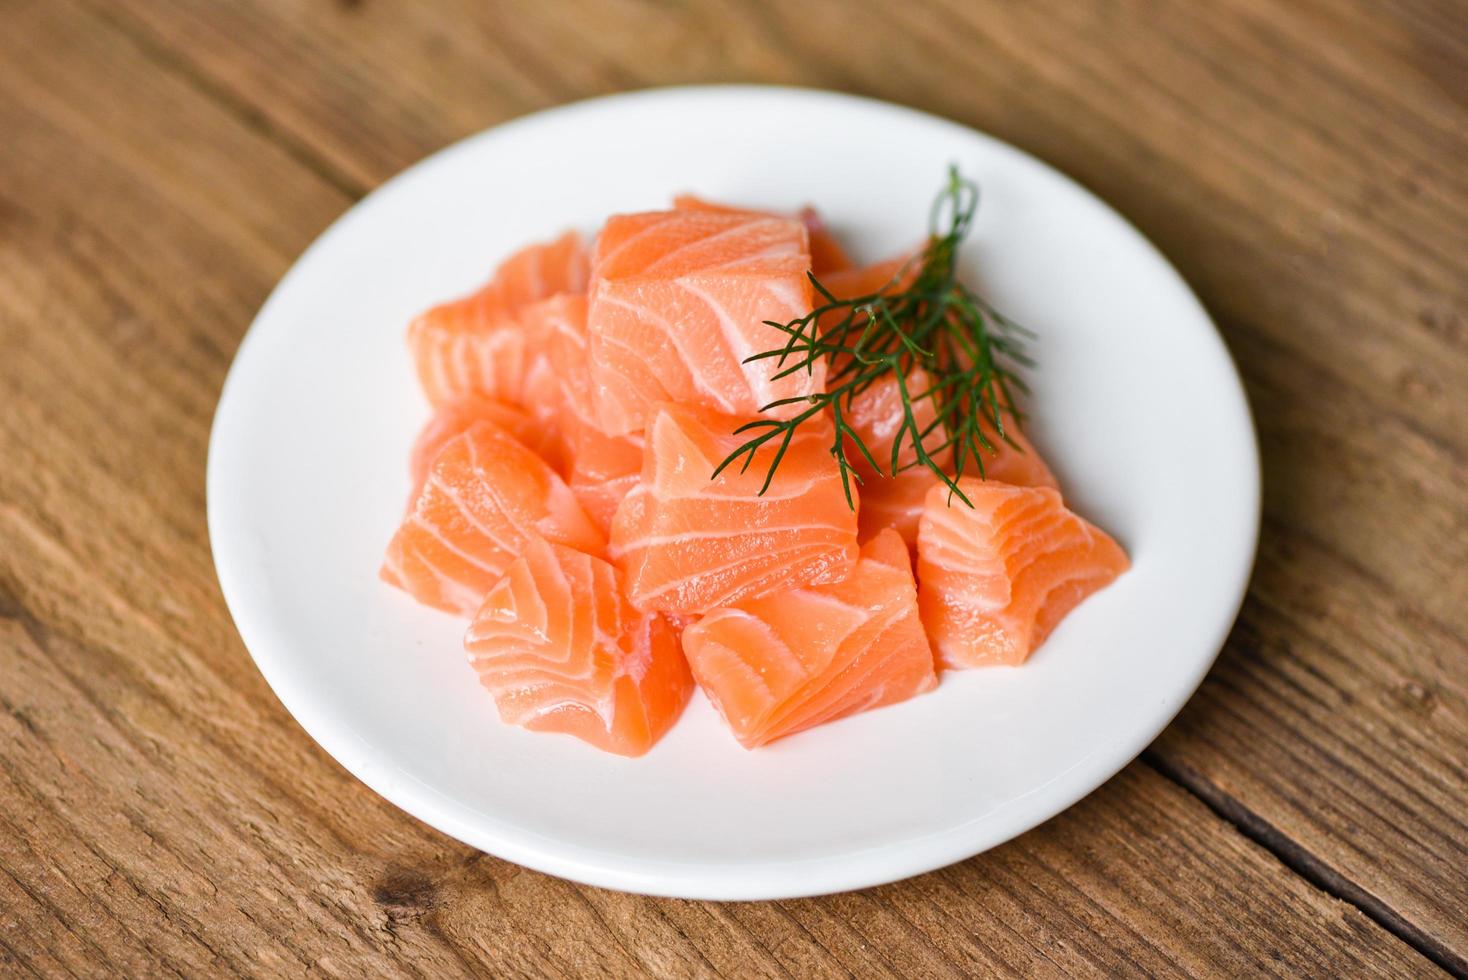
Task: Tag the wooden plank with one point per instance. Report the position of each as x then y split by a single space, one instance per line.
163 815
1297 161
137 842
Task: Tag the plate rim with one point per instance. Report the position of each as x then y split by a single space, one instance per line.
859 868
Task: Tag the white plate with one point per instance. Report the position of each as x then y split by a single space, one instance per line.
1136 405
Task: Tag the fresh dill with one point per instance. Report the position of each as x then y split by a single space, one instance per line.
925 318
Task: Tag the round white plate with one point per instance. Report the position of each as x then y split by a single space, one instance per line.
1135 404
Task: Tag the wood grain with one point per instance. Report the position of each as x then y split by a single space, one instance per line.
163 164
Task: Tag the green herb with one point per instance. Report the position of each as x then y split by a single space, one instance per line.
932 321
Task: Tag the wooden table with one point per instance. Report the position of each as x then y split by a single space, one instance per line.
1305 164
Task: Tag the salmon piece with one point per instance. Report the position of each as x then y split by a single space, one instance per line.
802 657
557 387
826 253
857 281
892 499
541 394
897 501
876 411
690 544
476 345
484 495
876 415
454 418
887 546
1014 459
561 650
679 299
559 370
869 280
997 577
600 468
603 471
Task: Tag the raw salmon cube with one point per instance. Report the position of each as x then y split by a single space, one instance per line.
484 495
557 387
866 280
558 382
876 415
600 468
561 650
898 501
690 543
476 345
895 503
994 579
826 253
604 469
679 300
800 658
453 418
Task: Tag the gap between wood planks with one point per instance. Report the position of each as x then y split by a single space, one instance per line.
1287 851
1302 862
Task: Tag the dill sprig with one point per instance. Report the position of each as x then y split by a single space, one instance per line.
930 321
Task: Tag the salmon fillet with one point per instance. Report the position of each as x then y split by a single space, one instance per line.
876 415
